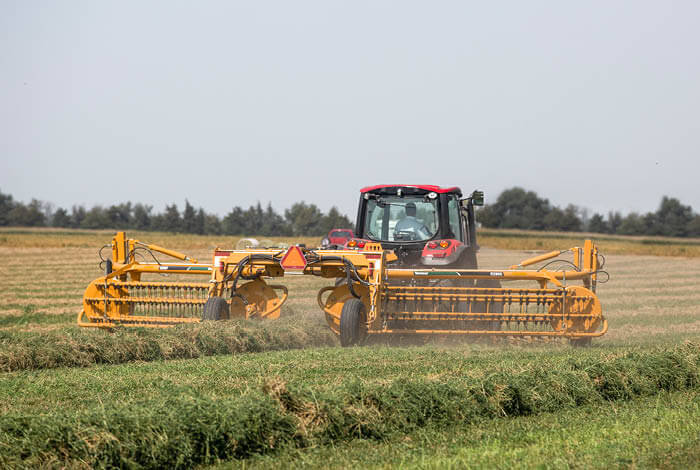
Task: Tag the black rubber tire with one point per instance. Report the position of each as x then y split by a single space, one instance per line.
215 308
351 322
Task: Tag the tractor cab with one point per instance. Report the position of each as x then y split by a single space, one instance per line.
425 225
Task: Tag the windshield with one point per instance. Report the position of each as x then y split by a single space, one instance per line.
408 218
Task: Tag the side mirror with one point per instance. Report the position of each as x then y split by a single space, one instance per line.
477 198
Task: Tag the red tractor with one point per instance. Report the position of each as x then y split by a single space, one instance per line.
425 225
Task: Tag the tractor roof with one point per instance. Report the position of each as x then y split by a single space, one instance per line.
426 187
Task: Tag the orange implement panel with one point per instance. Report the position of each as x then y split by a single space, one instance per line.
293 261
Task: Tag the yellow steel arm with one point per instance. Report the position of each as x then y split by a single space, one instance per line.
166 251
537 259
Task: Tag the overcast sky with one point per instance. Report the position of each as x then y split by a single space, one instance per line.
228 103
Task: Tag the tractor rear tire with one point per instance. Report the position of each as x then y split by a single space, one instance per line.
352 322
215 308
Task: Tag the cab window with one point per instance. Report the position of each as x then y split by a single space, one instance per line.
453 210
393 218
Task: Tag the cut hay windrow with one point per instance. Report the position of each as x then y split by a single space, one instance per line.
74 347
190 429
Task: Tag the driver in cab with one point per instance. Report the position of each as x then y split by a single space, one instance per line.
409 227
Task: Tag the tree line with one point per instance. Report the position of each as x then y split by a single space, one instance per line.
517 208
300 219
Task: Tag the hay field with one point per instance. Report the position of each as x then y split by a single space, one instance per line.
610 244
78 398
648 298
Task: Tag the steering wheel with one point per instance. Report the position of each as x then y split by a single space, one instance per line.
406 235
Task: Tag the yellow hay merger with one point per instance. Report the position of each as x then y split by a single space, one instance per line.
369 294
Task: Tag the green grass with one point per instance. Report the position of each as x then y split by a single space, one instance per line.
87 398
224 375
662 431
287 414
31 318
76 347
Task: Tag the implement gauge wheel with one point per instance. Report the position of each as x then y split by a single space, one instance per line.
352 322
215 308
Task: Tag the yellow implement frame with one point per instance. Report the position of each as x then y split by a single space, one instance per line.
121 297
391 300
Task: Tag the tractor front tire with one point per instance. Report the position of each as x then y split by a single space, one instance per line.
215 308
352 322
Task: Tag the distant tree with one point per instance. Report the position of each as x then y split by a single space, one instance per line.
673 217
633 224
562 220
6 206
516 208
652 224
253 220
582 214
30 215
597 224
233 222
334 219
614 221
189 224
694 227
158 222
77 216
572 221
95 218
141 218
47 208
171 221
119 216
553 219
304 219
212 225
199 222
273 224
61 218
